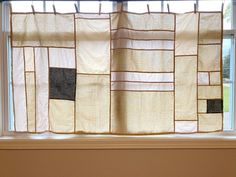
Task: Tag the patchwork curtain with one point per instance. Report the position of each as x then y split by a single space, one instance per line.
117 73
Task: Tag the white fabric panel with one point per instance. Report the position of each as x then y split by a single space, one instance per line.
30 88
41 68
19 89
140 44
93 46
185 126
142 86
127 33
62 58
203 78
29 59
145 77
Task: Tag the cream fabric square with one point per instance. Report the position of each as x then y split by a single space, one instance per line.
210 122
215 78
209 58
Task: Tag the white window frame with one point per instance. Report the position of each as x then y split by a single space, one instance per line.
49 141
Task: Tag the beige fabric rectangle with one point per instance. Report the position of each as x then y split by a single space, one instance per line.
19 101
141 60
42 96
153 21
43 30
93 46
142 112
209 92
215 78
29 59
30 90
202 106
92 103
142 35
61 115
210 122
209 58
186 34
186 88
210 28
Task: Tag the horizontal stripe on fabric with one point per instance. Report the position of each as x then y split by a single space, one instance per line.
144 49
147 44
144 77
143 30
142 35
142 86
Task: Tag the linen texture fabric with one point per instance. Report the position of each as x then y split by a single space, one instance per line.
117 73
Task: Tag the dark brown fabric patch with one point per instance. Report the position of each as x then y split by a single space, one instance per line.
215 106
62 83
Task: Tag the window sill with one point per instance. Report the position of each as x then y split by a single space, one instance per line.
46 141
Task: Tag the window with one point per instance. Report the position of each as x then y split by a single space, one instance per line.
175 6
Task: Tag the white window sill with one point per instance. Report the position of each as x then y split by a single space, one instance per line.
176 141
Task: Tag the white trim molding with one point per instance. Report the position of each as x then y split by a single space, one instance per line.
66 142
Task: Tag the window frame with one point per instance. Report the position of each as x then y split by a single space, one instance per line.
11 140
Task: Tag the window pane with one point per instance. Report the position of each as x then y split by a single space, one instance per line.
228 82
61 6
140 7
25 6
179 6
93 6
227 55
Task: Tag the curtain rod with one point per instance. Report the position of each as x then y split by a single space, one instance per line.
108 0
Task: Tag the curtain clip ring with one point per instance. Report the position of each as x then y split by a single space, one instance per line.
76 8
54 9
33 10
100 7
195 8
168 8
148 9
